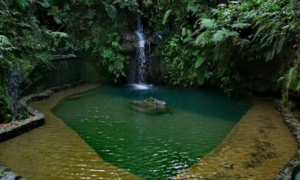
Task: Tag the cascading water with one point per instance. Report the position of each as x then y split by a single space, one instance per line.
140 55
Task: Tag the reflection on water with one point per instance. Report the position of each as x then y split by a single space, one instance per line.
152 146
141 86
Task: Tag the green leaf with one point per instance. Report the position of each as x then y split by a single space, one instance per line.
45 4
189 32
201 77
166 16
118 65
115 44
218 36
203 38
199 62
240 25
276 8
281 78
188 39
298 87
172 43
57 20
208 23
258 1
183 32
110 10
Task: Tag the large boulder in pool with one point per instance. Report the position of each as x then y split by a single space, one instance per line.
150 105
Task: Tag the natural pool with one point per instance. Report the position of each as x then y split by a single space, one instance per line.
151 146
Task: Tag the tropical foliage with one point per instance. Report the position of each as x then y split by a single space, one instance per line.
231 35
95 27
205 42
24 43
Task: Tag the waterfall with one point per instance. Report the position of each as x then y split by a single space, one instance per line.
140 55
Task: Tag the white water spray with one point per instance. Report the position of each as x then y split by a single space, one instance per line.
141 57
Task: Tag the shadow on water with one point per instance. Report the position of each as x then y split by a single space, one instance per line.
199 101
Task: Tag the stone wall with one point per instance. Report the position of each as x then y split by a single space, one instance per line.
66 69
294 126
8 174
37 119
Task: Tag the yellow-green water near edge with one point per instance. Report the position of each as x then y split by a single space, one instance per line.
152 146
52 151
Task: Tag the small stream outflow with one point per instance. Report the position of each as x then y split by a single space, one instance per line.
14 84
140 53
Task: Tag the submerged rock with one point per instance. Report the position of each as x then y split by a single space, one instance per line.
150 105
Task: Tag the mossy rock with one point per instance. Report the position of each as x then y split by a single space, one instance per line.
150 106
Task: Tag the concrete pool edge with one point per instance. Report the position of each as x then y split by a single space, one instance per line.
229 160
294 126
7 174
24 126
57 101
38 118
47 106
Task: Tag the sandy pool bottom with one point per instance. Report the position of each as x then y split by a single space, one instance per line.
56 152
257 148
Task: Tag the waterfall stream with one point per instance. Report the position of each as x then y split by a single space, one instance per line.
140 55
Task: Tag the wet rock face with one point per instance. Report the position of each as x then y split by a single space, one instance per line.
8 174
260 88
150 105
129 36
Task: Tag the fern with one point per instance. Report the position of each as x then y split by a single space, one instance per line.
208 23
22 3
5 44
240 25
110 10
250 14
199 62
203 38
220 35
220 52
44 3
290 76
90 14
243 42
281 42
57 34
23 24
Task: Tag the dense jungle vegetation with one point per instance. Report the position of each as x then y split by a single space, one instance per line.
225 44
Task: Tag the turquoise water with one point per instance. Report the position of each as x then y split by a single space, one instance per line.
152 146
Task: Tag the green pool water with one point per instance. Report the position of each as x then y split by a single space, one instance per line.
152 146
